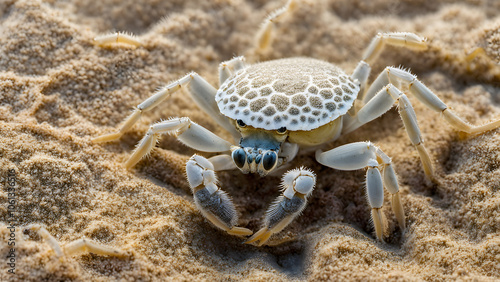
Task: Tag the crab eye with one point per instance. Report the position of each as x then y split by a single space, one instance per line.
281 130
240 123
269 160
239 157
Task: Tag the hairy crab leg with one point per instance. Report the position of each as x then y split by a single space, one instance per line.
379 99
186 131
201 91
265 35
363 69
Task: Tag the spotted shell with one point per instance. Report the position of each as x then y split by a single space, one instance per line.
296 93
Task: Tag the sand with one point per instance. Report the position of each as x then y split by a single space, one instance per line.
58 90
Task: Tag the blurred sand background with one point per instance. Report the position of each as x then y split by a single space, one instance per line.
58 90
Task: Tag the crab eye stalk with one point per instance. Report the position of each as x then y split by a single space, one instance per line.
269 160
281 130
239 157
240 123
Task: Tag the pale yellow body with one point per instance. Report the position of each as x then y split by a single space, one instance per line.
314 137
318 135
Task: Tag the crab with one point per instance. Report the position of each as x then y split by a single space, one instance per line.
272 109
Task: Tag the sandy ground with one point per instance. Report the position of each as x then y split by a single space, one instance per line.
58 90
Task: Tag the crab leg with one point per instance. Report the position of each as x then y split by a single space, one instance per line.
377 103
117 37
213 203
381 103
75 247
265 35
404 39
427 97
202 92
366 155
297 186
362 71
227 68
186 131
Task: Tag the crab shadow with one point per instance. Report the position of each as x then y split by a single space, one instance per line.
289 258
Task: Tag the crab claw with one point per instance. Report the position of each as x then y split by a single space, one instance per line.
214 204
279 215
262 235
297 185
